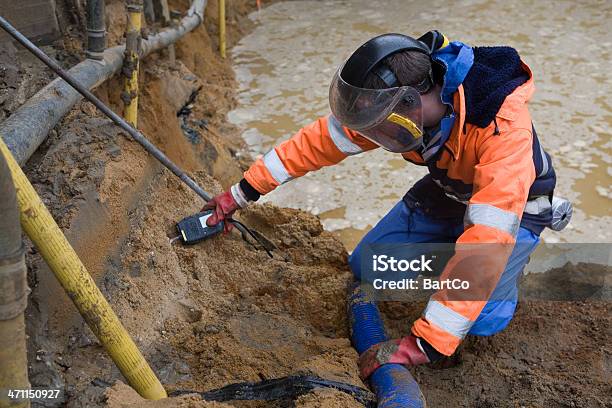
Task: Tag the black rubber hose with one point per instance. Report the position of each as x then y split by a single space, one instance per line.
280 388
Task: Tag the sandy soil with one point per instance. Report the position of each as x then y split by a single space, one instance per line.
222 311
553 354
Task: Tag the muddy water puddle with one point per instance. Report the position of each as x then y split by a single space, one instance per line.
285 65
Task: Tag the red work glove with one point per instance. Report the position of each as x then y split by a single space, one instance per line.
403 351
224 205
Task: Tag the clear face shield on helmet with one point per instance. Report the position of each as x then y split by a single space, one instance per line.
392 117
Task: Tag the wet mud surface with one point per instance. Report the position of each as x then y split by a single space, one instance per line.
222 311
284 68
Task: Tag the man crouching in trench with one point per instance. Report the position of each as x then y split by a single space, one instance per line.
463 113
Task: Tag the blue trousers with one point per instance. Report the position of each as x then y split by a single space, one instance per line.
405 225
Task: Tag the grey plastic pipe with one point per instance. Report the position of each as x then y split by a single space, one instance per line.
13 295
28 126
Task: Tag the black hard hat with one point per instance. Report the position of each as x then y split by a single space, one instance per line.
366 59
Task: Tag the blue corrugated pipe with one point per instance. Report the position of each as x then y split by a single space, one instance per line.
393 384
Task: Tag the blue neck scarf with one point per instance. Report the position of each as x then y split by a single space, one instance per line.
457 59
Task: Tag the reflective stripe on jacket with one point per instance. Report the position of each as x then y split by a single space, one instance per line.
322 143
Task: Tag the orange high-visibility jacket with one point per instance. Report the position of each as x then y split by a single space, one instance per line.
495 160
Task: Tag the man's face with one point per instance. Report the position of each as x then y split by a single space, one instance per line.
433 108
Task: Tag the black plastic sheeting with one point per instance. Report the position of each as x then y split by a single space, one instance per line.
285 388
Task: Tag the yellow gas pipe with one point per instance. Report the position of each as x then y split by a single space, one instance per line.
55 249
222 28
131 62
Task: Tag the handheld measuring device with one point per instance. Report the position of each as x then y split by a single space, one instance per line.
193 229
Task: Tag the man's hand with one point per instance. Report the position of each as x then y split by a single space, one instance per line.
403 351
224 205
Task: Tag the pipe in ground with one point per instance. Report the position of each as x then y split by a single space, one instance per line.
29 125
393 384
96 29
13 295
57 252
133 132
131 62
